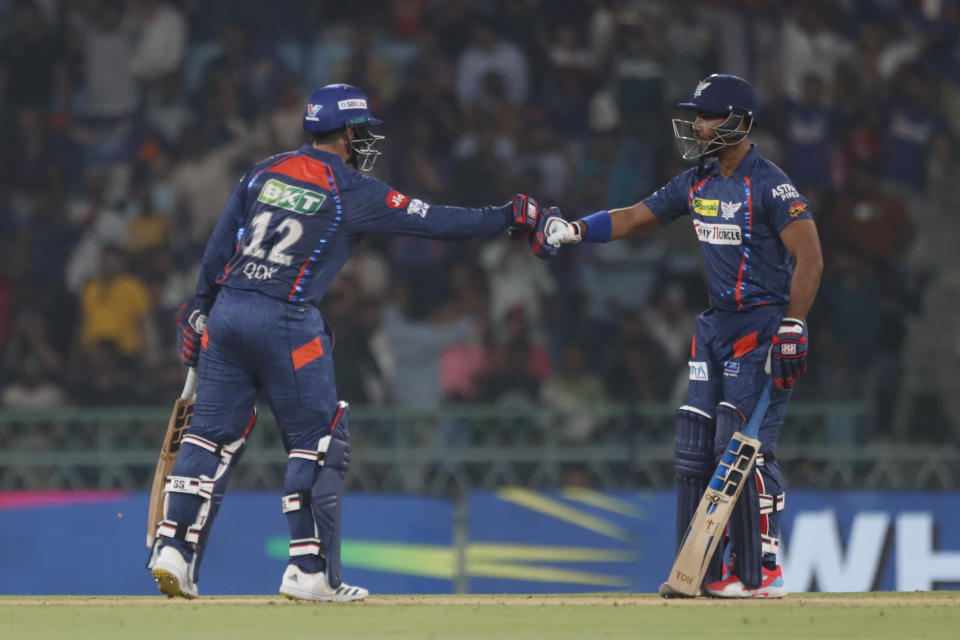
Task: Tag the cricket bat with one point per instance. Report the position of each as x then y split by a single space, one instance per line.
178 425
710 519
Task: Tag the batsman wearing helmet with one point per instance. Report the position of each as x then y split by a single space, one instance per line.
285 232
763 262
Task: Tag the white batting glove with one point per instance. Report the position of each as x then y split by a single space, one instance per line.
558 231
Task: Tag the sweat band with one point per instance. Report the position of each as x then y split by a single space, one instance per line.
599 227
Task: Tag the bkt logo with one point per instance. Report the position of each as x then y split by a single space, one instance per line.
255 271
290 198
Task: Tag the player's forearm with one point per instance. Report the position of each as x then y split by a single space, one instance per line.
804 285
623 223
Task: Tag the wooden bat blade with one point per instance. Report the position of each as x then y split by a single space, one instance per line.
176 428
709 520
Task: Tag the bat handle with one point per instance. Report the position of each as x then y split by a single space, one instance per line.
190 386
753 427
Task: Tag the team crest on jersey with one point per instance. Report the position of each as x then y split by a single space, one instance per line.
796 208
730 209
700 88
705 207
294 199
312 111
396 200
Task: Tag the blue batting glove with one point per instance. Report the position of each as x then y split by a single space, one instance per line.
524 216
541 232
788 353
191 323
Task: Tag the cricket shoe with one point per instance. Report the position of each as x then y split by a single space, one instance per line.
771 586
666 591
172 574
299 585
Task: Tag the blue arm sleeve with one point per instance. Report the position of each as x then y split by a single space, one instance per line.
376 208
221 246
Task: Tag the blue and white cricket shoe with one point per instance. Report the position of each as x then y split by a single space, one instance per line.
299 585
172 574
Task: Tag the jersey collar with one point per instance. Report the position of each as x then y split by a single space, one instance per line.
323 156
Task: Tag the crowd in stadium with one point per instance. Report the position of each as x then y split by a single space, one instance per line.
125 125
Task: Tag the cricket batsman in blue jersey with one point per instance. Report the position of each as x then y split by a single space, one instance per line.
763 262
287 229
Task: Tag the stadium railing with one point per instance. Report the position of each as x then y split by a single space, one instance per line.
459 448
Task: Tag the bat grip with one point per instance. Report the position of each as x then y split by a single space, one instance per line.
190 386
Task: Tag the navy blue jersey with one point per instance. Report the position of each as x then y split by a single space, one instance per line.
738 222
295 219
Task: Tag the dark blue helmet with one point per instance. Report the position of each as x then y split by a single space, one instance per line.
720 95
338 107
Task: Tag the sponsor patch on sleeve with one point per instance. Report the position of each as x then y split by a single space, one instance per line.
797 208
396 200
785 191
418 208
698 371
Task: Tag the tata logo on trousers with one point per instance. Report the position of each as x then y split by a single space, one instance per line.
290 198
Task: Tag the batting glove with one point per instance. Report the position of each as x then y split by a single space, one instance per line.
191 322
788 353
559 231
524 216
538 239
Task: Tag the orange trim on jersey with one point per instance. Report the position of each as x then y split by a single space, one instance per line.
694 189
253 418
226 272
296 283
205 340
302 356
336 419
693 347
745 345
304 168
738 292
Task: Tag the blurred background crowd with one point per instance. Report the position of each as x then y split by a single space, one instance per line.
126 123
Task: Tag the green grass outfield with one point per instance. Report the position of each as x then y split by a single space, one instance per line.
923 615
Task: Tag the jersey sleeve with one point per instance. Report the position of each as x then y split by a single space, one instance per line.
374 207
669 202
221 245
785 203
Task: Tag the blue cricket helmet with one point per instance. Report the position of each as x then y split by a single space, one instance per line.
337 107
722 95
